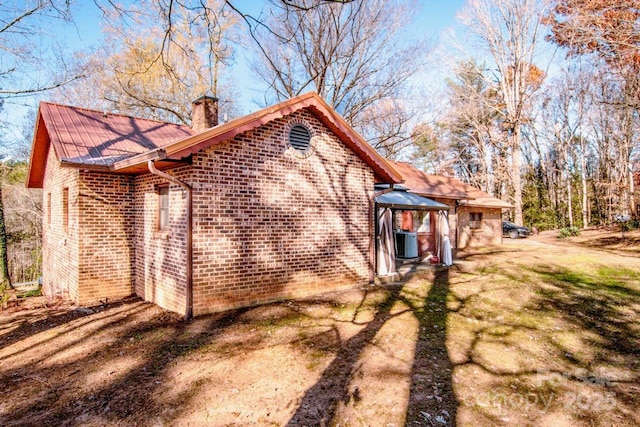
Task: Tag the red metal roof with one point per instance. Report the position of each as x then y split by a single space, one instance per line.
446 188
122 144
92 137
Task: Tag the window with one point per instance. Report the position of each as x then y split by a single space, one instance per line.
422 222
48 208
300 138
65 208
475 220
163 208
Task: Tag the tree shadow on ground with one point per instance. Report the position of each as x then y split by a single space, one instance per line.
119 366
129 393
526 340
431 393
606 309
431 397
619 245
24 325
319 404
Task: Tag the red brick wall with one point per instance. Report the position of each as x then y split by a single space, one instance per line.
106 256
267 224
160 265
59 245
490 232
89 258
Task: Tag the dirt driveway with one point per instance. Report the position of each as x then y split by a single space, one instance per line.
520 334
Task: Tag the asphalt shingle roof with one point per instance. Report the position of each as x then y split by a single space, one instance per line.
446 187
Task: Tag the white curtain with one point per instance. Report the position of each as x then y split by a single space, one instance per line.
445 243
386 248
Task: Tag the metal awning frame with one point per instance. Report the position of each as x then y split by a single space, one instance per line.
426 205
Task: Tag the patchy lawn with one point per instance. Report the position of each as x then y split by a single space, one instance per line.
534 332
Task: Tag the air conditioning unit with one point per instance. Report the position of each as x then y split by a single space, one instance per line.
406 244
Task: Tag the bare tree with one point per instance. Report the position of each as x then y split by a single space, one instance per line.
474 130
352 54
511 31
25 67
158 57
607 31
565 107
4 257
430 151
22 214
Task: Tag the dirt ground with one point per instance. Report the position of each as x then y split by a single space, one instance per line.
537 331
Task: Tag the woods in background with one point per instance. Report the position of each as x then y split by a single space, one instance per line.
554 134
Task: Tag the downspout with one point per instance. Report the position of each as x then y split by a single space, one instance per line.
455 211
189 237
373 237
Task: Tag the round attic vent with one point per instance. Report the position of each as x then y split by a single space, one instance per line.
300 138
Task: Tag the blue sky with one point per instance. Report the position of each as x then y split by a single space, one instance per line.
433 17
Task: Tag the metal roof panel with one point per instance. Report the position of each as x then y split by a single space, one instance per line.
409 201
93 137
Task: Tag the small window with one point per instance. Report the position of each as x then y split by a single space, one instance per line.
163 208
65 208
475 220
300 138
48 208
423 224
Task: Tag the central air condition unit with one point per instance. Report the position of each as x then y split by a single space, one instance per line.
406 244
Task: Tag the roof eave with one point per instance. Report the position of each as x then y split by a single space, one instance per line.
499 204
413 207
384 171
427 194
86 166
157 154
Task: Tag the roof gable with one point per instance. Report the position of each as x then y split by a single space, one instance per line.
122 144
90 138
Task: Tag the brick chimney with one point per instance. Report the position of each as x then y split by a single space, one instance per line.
204 113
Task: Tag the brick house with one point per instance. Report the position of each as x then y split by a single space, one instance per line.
272 205
475 217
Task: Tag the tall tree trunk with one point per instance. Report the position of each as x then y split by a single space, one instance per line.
610 203
585 196
569 199
632 199
516 179
3 245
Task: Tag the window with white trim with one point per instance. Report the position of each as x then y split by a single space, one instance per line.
48 208
65 208
475 220
163 207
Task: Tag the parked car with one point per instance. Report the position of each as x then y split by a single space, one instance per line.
514 231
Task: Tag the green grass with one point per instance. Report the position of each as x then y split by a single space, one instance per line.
612 281
32 293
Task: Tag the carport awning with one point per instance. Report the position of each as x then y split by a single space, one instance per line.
400 199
